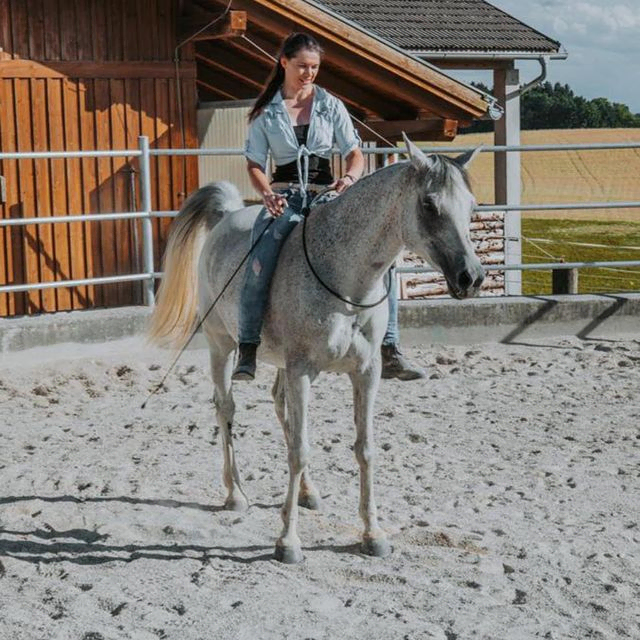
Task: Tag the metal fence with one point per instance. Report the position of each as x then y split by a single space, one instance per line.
146 214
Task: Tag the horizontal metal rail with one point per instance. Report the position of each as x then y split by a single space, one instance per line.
558 206
513 147
118 153
134 215
196 152
92 217
146 214
130 277
52 155
137 277
536 266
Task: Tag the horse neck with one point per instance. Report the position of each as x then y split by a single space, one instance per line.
358 236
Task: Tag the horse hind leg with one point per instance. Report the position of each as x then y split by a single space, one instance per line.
222 352
309 497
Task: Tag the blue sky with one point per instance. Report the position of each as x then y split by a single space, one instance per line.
602 38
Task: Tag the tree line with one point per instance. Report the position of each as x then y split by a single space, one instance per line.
556 106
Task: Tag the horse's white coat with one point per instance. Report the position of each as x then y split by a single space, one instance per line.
423 205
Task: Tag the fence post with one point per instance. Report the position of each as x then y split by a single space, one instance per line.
564 281
147 226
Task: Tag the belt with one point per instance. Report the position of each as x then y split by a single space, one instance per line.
311 188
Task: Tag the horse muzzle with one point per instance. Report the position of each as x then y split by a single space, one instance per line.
467 283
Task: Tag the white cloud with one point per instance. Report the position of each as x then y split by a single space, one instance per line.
614 26
567 16
616 18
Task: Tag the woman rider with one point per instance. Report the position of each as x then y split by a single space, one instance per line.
293 115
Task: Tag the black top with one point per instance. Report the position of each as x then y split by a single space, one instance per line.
319 168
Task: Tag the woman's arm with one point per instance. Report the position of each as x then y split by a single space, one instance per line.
274 202
355 166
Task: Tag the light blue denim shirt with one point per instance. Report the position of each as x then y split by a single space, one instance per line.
273 131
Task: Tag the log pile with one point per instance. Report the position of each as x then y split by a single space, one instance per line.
487 235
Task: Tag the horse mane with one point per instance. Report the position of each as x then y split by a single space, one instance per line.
439 177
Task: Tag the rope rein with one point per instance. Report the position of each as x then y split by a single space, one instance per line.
332 291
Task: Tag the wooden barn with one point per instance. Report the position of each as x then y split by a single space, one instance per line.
87 75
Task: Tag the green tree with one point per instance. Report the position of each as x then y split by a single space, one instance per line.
555 106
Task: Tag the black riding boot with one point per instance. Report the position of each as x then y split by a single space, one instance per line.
246 367
395 365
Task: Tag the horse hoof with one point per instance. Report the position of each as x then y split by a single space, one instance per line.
236 503
288 555
310 501
377 547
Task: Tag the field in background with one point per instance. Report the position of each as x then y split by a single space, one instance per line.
552 240
567 176
573 176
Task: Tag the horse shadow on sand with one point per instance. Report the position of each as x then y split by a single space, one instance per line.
47 545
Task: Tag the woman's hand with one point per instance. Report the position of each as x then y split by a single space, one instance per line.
275 203
343 183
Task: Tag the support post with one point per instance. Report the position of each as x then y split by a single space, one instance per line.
506 82
147 226
564 281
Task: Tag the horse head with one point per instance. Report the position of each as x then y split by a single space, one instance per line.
436 224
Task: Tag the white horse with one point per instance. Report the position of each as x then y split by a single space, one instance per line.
423 205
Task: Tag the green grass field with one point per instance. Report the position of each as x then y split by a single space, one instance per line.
613 235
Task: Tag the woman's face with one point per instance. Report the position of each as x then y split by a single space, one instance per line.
301 70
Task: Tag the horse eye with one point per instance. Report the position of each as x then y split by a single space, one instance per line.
428 204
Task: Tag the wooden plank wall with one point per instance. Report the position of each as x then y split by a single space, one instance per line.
87 74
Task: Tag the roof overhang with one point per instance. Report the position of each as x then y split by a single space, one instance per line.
377 81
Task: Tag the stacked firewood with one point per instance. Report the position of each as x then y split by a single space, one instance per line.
487 235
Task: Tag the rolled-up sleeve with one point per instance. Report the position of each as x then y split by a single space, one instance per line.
256 147
346 136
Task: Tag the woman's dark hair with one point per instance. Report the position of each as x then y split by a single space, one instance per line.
293 44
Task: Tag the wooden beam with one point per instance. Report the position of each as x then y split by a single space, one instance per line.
215 91
243 73
221 81
231 25
362 89
433 129
32 69
394 72
247 64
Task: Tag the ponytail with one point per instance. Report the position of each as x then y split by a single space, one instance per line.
294 43
274 82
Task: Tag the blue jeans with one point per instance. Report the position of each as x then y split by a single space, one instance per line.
262 263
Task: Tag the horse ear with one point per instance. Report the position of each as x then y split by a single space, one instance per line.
467 158
419 159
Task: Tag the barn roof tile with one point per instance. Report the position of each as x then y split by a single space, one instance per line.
424 26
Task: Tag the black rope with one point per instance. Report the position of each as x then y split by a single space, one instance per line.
204 317
326 286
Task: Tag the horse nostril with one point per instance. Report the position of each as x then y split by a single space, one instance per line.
478 281
464 280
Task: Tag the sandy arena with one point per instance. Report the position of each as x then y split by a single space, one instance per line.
508 482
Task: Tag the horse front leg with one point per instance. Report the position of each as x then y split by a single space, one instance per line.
297 386
309 497
365 388
222 353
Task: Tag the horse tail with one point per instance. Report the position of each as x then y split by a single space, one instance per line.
175 314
